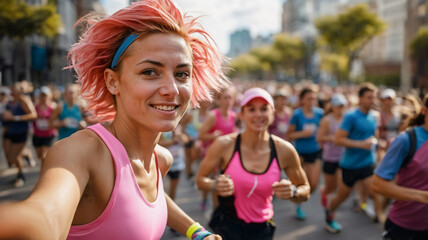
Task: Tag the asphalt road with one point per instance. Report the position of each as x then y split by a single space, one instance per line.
356 226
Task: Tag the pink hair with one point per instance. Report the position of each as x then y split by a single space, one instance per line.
95 50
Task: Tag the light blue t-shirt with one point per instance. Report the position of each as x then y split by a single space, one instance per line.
396 153
359 126
306 145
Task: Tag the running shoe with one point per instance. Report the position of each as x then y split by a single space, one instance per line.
324 199
300 215
333 227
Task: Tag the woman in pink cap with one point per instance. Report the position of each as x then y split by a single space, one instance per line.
251 164
139 70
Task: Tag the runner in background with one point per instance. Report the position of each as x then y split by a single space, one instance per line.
43 135
19 111
192 123
331 153
303 128
406 182
358 135
174 141
251 165
283 115
68 116
389 121
220 121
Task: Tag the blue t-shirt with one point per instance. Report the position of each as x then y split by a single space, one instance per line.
306 145
359 126
396 153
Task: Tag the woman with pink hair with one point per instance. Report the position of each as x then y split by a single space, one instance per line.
138 70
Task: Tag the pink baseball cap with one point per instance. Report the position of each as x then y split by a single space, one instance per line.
252 93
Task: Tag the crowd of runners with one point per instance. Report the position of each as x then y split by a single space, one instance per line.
154 102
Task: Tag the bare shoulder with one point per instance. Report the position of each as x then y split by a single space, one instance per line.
285 151
82 147
165 159
225 141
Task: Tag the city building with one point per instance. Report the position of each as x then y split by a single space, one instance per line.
240 42
417 17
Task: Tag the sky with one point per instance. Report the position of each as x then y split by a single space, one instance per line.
222 17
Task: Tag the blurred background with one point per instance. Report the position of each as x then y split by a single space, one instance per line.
327 41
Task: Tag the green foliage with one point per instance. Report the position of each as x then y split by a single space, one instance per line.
283 55
290 49
334 64
17 19
246 64
349 31
419 44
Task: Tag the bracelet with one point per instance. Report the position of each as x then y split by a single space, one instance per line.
214 186
201 235
17 118
192 229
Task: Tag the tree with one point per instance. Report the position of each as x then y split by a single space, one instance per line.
350 31
291 52
246 65
18 20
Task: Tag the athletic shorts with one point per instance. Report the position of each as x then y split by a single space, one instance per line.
174 174
17 137
395 232
232 228
311 157
42 141
330 167
351 176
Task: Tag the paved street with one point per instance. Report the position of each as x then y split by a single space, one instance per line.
356 226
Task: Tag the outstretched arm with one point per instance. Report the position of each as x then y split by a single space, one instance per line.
48 212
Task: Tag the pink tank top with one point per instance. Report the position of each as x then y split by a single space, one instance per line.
252 198
128 214
226 126
41 124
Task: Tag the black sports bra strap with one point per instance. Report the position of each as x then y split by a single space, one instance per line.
237 143
272 149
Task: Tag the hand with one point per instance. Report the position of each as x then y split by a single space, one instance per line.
213 237
308 132
368 143
283 189
217 133
224 186
7 116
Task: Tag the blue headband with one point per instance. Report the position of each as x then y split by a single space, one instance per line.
125 44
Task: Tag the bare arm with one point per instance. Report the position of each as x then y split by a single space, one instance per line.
177 218
29 109
54 121
391 190
48 212
323 130
204 134
292 134
341 139
290 162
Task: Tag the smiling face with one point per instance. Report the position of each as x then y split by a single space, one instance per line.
257 115
153 85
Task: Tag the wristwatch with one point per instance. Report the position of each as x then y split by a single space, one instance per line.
294 188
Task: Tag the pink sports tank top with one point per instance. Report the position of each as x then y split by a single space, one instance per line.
128 214
226 126
252 198
41 124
